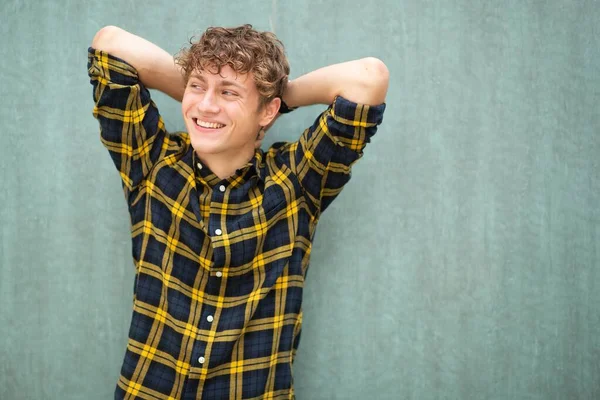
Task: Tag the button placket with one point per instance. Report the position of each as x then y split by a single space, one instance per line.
218 231
216 228
201 348
202 359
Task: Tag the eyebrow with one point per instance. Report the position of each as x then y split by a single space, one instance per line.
224 82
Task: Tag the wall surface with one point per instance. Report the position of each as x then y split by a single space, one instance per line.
461 262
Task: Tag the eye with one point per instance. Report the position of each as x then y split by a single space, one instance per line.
229 93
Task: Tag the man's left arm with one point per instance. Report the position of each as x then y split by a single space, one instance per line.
363 81
323 156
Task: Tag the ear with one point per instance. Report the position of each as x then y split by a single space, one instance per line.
269 111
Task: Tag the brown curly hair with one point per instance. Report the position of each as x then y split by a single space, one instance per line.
245 50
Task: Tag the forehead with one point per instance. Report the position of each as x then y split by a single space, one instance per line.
227 76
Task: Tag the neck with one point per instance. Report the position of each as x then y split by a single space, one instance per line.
225 165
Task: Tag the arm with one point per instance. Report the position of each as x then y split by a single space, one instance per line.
363 81
156 67
323 156
131 127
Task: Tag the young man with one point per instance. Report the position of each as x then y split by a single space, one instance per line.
221 230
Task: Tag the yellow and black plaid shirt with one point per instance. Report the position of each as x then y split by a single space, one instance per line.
220 264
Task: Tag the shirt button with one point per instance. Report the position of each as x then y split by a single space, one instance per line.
199 166
201 360
218 231
219 274
209 318
222 188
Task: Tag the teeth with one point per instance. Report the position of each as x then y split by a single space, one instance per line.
212 125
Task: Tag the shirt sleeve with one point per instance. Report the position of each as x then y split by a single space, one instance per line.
131 128
326 151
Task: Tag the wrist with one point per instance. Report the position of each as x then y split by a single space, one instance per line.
287 105
284 108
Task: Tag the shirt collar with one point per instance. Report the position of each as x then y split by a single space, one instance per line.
254 166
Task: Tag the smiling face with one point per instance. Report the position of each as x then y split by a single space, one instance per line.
223 115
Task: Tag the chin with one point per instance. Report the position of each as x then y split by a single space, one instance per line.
201 147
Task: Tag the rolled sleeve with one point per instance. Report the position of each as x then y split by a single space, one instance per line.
326 151
131 127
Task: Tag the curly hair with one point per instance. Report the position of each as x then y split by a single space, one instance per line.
245 50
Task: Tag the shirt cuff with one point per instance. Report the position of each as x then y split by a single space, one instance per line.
350 113
108 68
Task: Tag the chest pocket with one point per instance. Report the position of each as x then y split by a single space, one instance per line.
266 233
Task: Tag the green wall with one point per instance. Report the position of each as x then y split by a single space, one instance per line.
461 262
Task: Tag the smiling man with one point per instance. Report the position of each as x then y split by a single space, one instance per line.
222 230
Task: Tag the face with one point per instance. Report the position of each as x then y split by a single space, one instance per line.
222 113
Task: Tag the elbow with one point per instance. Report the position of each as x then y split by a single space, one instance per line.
376 68
376 78
105 37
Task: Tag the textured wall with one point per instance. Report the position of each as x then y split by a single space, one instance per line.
461 262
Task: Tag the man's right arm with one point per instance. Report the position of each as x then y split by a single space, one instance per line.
156 68
121 67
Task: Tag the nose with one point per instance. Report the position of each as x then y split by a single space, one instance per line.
208 104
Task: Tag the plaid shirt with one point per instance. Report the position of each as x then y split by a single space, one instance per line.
220 263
